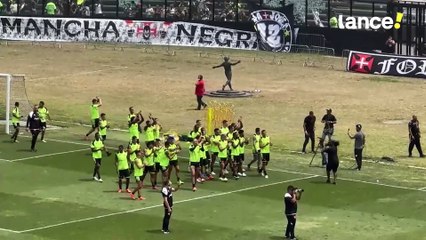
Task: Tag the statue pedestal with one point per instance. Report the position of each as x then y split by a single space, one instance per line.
228 94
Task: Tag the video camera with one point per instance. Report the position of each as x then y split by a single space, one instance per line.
298 190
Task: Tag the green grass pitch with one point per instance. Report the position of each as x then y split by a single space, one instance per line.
50 195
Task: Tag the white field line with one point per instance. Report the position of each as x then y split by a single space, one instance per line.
8 230
422 189
50 154
160 205
422 168
4 160
353 180
78 73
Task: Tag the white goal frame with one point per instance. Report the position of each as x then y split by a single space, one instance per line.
8 91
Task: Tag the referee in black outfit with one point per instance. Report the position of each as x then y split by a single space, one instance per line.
290 199
34 125
167 192
414 134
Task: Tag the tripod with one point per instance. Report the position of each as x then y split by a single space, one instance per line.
319 147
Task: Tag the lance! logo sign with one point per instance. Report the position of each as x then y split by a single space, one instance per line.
273 29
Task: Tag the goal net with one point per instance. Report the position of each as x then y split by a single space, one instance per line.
10 93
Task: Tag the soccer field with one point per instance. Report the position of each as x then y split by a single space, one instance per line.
50 195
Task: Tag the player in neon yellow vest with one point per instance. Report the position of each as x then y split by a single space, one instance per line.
149 163
172 150
223 156
243 142
122 165
205 156
161 160
235 152
44 116
149 133
134 121
214 141
194 158
103 126
256 149
157 128
94 115
139 169
265 148
16 117
97 146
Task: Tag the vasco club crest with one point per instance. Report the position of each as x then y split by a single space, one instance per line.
273 29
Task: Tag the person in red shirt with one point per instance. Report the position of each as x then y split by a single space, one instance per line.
199 92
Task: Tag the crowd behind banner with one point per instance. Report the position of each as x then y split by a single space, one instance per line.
318 13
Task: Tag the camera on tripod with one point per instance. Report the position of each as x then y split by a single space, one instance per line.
299 190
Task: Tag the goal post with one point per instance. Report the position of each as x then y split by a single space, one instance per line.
12 89
8 79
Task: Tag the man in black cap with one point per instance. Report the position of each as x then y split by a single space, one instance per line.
329 120
309 130
414 134
359 145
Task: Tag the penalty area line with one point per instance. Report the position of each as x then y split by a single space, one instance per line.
49 155
8 230
161 205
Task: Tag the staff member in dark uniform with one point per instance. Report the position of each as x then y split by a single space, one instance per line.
34 126
333 159
329 120
359 145
290 199
309 129
414 134
167 193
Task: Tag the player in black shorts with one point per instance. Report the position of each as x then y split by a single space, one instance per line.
243 142
333 159
122 165
150 165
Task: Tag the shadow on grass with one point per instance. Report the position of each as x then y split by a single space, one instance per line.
86 180
155 231
277 237
24 150
129 198
318 181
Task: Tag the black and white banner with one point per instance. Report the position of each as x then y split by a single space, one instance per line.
274 30
382 64
124 31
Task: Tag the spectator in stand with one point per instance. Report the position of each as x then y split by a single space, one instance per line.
98 9
13 7
199 92
390 45
333 20
28 7
50 8
150 11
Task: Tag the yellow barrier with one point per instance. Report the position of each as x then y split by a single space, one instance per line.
216 113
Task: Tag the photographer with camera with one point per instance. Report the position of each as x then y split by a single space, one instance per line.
291 197
329 120
333 159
